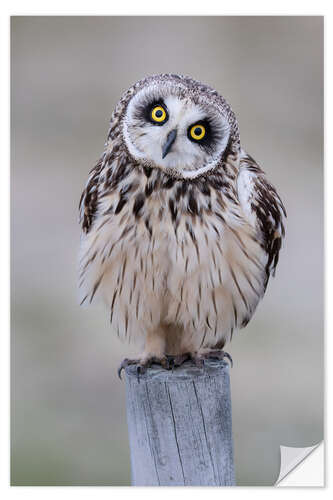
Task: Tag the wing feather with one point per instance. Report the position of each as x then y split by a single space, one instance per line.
89 197
263 207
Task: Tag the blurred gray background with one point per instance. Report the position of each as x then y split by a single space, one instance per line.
68 407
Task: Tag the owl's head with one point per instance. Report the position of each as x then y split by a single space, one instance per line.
178 125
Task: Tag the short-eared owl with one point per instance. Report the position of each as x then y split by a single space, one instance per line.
180 228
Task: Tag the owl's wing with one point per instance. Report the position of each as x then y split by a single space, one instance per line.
263 208
89 197
105 194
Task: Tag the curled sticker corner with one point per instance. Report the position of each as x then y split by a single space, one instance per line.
291 458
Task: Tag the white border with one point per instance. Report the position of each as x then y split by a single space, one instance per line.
138 7
170 8
4 249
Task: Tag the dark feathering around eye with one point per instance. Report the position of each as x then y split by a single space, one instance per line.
200 133
157 113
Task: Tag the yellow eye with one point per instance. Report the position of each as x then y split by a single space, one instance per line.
158 114
197 132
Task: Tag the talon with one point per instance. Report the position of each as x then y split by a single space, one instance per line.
122 366
126 362
171 362
227 355
141 369
165 363
138 372
181 358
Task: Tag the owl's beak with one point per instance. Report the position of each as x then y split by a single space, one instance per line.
168 143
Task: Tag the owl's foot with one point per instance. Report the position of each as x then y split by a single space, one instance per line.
143 364
180 359
216 354
169 362
126 362
198 358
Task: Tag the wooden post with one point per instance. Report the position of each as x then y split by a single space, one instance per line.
179 426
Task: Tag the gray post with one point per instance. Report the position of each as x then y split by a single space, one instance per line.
179 426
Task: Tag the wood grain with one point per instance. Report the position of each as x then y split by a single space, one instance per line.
179 424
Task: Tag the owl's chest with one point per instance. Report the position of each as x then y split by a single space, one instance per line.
189 235
177 260
165 243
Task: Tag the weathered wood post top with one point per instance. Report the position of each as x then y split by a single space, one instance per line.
179 425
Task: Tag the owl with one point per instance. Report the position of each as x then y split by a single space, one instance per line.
181 229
